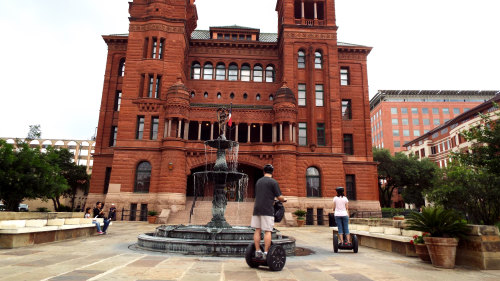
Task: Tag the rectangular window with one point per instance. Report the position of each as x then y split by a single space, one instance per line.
112 139
406 133
416 133
346 110
404 110
140 127
414 110
395 133
153 51
436 122
348 144
394 110
162 46
158 85
320 131
153 134
150 86
397 144
319 95
344 76
456 110
425 110
435 111
404 121
466 109
302 94
302 134
426 121
446 111
107 177
350 187
416 122
395 121
118 100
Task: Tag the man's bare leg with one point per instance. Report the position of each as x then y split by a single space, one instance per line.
256 238
267 240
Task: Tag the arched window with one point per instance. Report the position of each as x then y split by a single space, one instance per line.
313 182
257 73
270 74
121 68
219 95
142 177
208 71
231 95
233 72
318 60
301 60
245 72
271 97
245 96
195 70
220 72
257 97
193 94
205 95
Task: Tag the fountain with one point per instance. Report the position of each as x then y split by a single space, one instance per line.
217 237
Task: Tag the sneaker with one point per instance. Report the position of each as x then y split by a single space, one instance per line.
258 254
264 255
100 232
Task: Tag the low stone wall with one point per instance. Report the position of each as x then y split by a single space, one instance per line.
24 229
480 248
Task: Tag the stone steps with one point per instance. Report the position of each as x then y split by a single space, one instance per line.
237 213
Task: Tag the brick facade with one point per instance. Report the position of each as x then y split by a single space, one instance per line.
161 84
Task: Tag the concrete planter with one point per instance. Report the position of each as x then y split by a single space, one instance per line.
442 251
422 252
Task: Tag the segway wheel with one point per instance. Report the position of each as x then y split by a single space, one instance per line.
250 255
276 258
355 243
335 244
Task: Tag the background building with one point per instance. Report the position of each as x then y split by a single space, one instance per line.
399 116
299 101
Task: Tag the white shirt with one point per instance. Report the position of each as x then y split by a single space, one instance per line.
340 202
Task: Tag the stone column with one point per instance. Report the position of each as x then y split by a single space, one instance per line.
169 127
294 129
179 129
186 130
249 129
290 131
315 10
274 133
236 133
211 130
260 127
199 130
302 7
281 131
166 129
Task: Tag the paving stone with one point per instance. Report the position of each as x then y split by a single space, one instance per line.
350 277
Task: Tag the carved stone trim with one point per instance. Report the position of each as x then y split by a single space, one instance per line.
156 27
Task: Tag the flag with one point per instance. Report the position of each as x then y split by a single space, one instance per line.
230 118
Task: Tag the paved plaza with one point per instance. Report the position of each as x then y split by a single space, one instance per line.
108 257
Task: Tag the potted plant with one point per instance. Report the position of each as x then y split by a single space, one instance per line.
152 216
420 247
300 216
444 228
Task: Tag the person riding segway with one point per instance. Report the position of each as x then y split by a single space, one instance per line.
265 209
344 240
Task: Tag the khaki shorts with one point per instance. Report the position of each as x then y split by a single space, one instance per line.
265 223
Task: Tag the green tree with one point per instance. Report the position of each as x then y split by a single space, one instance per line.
407 173
471 183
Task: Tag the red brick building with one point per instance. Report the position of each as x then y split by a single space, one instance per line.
399 116
299 101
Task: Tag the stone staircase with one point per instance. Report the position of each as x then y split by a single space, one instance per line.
237 213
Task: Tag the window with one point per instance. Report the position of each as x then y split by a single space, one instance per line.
231 96
140 127
404 121
270 73
404 110
397 144
153 50
435 110
344 76
121 68
195 71
245 96
319 95
106 179
257 73
350 187
142 177
301 60
318 60
208 71
348 144
220 72
219 95
426 121
406 133
271 97
346 110
313 182
245 73
150 85
112 139
395 121
446 111
425 110
257 97
414 110
193 94
118 100
155 121
416 133
233 72
302 94
320 132
395 133
302 134
158 86
416 121
205 95
436 121
466 109
456 110
394 110
160 52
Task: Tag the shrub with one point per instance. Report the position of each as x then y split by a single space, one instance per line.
300 213
438 222
152 213
42 209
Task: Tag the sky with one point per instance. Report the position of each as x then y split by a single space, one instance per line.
52 56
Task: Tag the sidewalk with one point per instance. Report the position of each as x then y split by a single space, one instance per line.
108 257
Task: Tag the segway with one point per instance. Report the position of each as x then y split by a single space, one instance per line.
276 257
353 246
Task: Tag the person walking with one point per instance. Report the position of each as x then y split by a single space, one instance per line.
341 210
99 213
266 189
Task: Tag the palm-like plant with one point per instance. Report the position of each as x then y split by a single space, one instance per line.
437 221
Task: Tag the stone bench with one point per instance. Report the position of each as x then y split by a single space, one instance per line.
389 239
20 233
